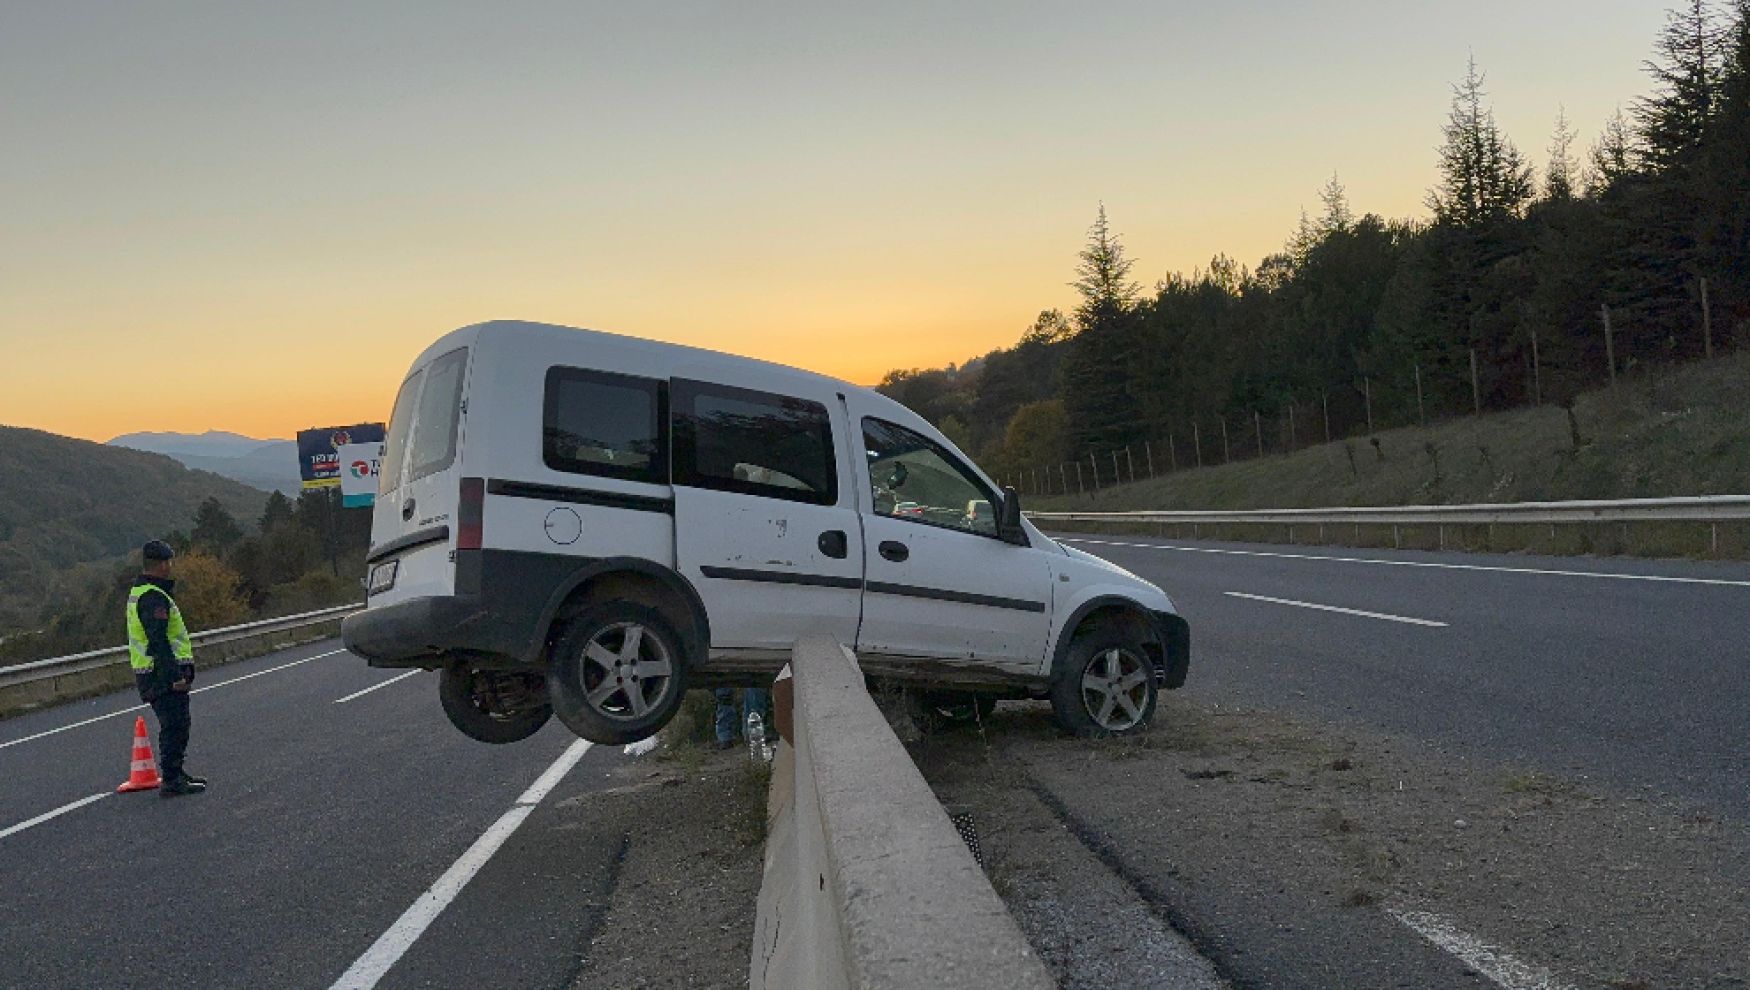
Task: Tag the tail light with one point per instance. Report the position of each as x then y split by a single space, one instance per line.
470 512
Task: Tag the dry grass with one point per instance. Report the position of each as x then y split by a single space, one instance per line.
1663 432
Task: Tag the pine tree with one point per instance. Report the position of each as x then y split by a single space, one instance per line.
1482 175
1103 412
214 527
1103 275
1724 180
1559 183
1613 155
1687 68
1338 218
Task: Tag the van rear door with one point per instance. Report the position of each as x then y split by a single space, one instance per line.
415 516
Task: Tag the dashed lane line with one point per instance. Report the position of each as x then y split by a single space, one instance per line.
1547 572
389 947
1334 608
140 708
373 687
1492 961
63 809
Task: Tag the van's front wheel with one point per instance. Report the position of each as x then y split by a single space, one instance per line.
493 706
617 673
1107 685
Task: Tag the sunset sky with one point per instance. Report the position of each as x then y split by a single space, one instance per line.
252 216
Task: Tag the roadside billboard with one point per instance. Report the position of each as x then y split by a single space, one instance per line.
359 465
319 452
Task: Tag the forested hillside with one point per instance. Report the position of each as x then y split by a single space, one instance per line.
65 502
1524 285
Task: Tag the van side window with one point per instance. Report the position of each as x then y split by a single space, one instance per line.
400 422
433 444
756 443
600 423
916 479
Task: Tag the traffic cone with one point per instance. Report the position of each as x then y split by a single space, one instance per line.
143 774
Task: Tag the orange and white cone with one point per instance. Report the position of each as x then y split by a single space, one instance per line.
143 774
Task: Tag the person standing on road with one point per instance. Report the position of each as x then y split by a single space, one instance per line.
163 660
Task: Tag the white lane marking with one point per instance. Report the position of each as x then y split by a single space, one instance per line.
63 809
1722 582
141 708
373 687
1333 608
1489 960
389 947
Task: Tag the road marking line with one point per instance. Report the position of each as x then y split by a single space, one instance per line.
141 708
389 947
1493 962
1333 608
373 687
1722 582
63 809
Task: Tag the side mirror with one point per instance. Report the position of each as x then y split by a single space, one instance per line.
1009 518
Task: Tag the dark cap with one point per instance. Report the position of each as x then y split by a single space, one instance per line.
157 550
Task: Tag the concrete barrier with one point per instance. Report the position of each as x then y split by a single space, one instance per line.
867 884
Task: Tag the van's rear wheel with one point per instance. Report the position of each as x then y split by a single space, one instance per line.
493 706
1106 686
617 673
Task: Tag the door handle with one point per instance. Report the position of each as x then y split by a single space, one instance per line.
894 550
833 544
407 509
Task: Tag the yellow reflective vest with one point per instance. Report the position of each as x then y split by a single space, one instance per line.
180 647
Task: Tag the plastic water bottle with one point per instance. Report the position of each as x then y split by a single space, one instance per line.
756 738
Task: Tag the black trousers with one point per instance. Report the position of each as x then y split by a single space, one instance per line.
171 707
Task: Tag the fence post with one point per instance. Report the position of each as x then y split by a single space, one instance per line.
1421 412
1131 462
1707 324
1117 478
1291 440
1258 425
1367 394
1325 400
1197 443
1148 452
1226 454
1094 466
1476 394
1536 372
1609 342
1063 478
1172 453
1079 489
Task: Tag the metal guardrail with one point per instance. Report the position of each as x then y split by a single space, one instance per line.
1701 508
39 670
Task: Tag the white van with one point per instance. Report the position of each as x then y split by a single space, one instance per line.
584 524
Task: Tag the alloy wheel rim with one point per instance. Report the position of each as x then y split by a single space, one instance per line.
626 671
1115 689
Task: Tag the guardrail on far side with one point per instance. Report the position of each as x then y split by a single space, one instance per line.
867 884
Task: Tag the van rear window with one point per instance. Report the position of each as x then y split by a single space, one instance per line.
756 443
400 422
433 443
605 424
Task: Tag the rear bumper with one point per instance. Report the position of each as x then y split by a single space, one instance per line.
420 631
1175 635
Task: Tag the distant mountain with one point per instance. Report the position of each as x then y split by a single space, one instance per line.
213 443
264 464
65 502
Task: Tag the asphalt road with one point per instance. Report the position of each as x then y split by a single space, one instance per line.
325 822
1631 674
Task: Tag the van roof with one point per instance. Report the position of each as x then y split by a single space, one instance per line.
524 331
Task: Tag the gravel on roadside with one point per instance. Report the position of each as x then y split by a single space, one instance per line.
1281 848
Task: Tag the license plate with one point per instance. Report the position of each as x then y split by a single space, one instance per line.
383 576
